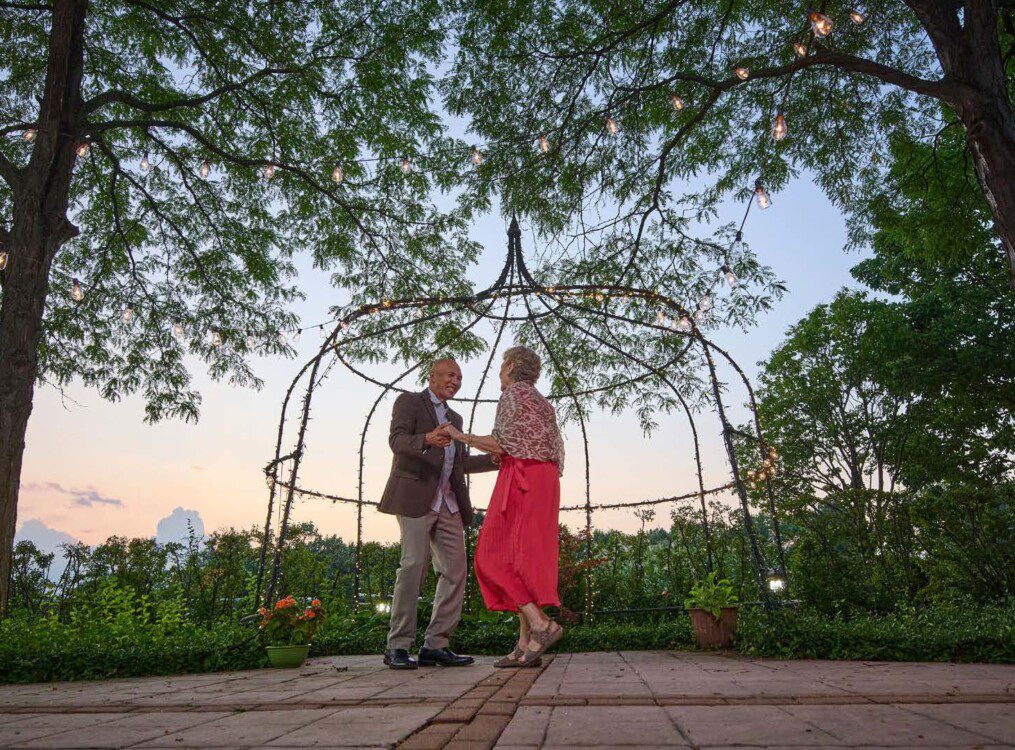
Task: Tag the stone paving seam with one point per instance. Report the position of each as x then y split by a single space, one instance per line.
989 737
198 724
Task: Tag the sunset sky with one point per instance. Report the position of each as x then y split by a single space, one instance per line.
93 468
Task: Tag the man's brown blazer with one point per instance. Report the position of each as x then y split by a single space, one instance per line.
416 466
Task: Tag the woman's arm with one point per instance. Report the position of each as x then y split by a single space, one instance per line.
485 443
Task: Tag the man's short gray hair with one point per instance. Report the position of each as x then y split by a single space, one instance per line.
527 364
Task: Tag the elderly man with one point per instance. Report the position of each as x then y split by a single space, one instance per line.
427 492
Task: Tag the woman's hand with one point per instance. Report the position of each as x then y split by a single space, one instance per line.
453 432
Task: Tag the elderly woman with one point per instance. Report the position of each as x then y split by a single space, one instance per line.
516 555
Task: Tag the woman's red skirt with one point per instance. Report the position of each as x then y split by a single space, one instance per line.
516 554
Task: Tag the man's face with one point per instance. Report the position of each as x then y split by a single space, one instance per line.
445 379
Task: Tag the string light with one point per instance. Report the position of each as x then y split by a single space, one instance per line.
705 303
477 157
29 135
611 125
216 339
145 164
678 103
336 174
269 171
821 24
684 325
544 144
738 243
270 481
699 316
731 278
660 318
3 259
764 199
857 17
742 73
83 148
178 331
282 338
77 292
779 129
249 341
127 315
406 166
800 48
205 170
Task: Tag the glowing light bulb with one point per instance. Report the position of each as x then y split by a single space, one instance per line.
742 73
764 199
216 339
270 481
857 17
269 171
406 166
699 315
800 48
3 260
178 331
77 292
282 338
738 243
249 341
336 174
705 303
29 135
684 325
127 316
205 170
731 278
678 103
477 157
779 129
145 163
611 125
776 584
296 336
544 145
821 24
660 318
83 148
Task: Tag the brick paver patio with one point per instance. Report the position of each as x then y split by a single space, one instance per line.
642 699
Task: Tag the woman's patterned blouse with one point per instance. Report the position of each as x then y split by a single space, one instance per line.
526 425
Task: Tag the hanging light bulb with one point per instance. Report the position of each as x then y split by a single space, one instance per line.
178 332
282 338
731 278
3 259
857 17
269 171
77 292
678 103
336 174
821 24
660 318
800 48
406 166
270 481
742 73
764 199
83 148
738 243
611 125
477 157
127 315
544 145
684 325
705 303
205 170
699 315
216 338
779 129
249 341
296 336
29 135
145 163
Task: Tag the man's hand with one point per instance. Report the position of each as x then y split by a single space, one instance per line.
438 437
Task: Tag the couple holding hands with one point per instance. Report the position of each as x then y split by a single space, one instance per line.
516 554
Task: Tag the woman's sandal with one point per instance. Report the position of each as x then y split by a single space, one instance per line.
545 639
514 659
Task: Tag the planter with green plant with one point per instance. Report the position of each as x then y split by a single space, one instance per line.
286 630
712 605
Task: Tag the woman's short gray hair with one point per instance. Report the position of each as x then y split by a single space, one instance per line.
527 364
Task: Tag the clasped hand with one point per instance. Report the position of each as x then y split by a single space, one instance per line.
442 435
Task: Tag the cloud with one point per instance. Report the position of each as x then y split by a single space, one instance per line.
83 498
42 536
173 528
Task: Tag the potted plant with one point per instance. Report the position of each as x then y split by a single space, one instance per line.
712 604
286 630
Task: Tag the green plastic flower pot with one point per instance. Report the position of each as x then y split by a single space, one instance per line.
287 657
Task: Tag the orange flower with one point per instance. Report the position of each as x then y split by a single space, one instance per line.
262 611
315 603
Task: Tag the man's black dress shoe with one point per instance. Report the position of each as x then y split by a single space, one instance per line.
443 657
398 658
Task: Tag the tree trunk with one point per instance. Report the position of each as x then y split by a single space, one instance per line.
39 228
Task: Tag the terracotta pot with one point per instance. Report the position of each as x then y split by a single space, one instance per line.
712 633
